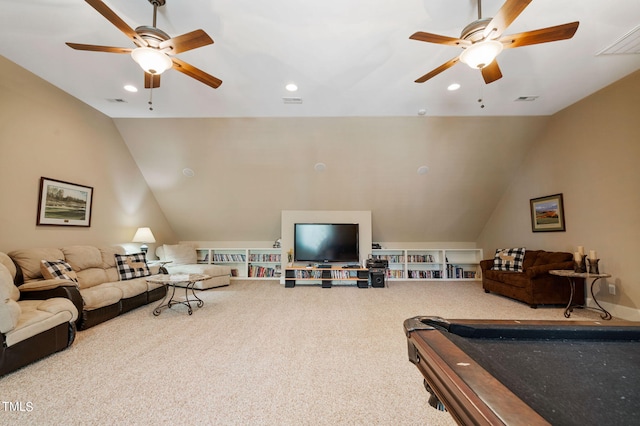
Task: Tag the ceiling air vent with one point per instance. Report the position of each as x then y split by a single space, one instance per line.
526 98
117 101
292 100
627 44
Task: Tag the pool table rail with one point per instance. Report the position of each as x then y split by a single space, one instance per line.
471 395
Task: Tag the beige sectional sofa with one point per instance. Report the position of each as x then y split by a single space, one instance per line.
30 329
101 291
46 294
184 260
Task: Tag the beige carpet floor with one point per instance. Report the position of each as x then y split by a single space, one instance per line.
255 354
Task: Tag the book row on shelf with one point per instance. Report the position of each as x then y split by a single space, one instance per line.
203 257
264 257
228 257
343 275
421 258
430 273
256 271
454 271
411 258
310 274
391 258
395 273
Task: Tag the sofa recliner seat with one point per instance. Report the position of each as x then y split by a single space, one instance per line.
99 294
30 329
534 285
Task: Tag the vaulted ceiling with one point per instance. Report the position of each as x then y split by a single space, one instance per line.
348 58
224 162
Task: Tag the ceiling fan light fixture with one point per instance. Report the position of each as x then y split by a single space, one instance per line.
151 60
481 54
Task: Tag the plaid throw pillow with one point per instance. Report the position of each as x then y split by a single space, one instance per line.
132 266
509 259
57 269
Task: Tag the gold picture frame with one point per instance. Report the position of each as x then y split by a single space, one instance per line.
64 204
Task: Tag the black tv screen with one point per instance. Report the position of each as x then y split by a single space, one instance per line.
326 242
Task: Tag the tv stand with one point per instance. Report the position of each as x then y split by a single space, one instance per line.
325 275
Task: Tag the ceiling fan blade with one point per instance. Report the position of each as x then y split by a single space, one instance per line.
94 48
439 39
544 35
196 73
151 81
438 70
491 72
188 41
111 16
508 13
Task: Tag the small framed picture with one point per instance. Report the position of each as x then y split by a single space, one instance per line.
547 214
64 203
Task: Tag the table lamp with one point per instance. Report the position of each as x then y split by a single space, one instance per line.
144 236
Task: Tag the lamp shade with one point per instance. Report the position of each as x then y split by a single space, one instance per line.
144 235
481 54
151 60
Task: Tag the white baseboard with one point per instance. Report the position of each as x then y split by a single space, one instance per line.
618 311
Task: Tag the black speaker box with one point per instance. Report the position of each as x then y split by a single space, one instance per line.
376 278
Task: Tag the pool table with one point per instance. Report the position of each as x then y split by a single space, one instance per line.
510 372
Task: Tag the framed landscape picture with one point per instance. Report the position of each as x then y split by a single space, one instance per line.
64 203
547 214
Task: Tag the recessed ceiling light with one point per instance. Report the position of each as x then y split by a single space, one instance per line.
291 87
422 111
422 170
452 87
188 172
130 88
320 167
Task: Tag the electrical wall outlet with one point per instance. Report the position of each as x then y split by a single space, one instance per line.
612 289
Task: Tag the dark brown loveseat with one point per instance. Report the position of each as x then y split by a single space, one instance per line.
534 285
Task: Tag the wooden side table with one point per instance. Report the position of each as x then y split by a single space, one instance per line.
571 276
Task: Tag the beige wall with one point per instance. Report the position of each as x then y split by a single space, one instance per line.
590 153
45 132
247 170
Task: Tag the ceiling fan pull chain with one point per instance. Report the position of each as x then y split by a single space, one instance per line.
151 99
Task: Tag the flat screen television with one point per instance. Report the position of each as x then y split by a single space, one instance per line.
326 242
